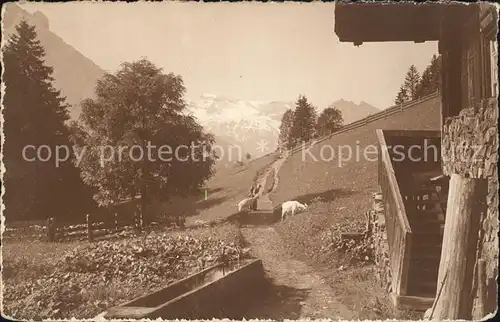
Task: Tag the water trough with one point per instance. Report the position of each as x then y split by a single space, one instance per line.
256 217
220 291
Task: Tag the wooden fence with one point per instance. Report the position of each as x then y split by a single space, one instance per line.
94 227
120 217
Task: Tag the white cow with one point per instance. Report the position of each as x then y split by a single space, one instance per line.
246 203
292 207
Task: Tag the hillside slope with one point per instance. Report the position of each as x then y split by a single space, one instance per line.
224 190
355 179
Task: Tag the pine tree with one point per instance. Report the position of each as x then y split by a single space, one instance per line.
285 128
412 79
35 114
435 71
424 86
402 96
304 122
329 121
430 81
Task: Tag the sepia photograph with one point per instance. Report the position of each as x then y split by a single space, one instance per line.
249 160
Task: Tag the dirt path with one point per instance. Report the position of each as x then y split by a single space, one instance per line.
296 291
264 201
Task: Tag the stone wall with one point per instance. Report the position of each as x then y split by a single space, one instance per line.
470 148
378 234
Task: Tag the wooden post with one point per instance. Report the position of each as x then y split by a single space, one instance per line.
481 281
368 226
50 230
138 219
466 201
182 222
58 233
89 228
115 216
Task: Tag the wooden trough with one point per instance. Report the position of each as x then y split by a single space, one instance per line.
216 292
255 218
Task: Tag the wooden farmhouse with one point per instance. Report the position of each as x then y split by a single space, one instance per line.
441 214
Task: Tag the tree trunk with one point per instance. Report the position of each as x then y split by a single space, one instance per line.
144 191
144 206
466 201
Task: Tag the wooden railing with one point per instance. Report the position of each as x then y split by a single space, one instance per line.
399 235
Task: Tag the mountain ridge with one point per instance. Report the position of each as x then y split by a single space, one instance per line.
75 75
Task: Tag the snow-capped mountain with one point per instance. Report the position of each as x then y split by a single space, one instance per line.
254 125
251 125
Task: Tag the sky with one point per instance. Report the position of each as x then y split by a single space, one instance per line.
248 51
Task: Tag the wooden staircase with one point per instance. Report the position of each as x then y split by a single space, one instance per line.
426 209
415 196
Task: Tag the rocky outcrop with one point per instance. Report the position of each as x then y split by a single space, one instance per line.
378 233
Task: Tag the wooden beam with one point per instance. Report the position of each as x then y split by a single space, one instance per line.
417 303
466 201
413 133
368 22
481 285
402 217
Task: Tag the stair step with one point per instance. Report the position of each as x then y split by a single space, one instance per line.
414 203
427 294
429 241
425 233
413 196
421 277
431 214
431 189
424 228
419 197
417 283
430 217
418 290
430 286
429 247
424 208
427 263
427 221
425 257
426 248
424 269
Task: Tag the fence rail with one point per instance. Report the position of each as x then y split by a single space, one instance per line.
91 229
370 118
105 226
399 234
115 219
